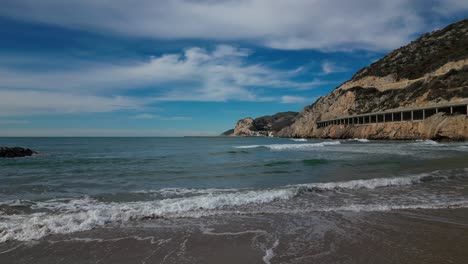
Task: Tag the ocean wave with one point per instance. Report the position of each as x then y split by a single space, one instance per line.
61 216
363 140
373 183
427 142
326 186
299 139
86 213
178 191
292 146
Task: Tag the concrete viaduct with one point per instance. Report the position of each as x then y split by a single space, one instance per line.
397 115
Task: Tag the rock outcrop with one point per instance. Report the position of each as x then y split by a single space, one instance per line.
429 71
14 152
265 125
245 127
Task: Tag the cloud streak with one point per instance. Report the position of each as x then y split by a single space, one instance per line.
289 99
330 67
295 24
221 74
147 116
17 103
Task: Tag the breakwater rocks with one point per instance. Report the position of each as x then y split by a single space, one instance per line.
15 152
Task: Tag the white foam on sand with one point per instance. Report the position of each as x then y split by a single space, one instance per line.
390 207
269 253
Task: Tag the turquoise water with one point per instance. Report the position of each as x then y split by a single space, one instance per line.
77 184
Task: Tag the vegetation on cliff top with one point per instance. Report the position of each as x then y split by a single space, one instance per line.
437 89
424 55
275 122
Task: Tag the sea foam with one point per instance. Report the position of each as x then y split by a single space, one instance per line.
292 146
427 142
61 216
363 140
85 214
372 183
299 139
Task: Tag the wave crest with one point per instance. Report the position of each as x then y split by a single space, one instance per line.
292 146
62 216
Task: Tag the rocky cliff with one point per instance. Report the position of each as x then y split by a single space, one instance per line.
265 125
429 71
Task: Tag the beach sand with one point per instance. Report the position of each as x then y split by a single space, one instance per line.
403 236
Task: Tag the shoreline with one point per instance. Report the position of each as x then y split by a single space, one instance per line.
326 237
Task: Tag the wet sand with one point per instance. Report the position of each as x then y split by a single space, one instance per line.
402 236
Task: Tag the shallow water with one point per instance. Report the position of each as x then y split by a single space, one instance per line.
308 200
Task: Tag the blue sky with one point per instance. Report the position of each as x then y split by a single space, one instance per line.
188 67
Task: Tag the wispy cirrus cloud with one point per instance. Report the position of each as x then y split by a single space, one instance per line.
17 103
196 74
304 24
289 99
330 67
148 116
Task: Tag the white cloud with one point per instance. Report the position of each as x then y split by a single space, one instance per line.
13 103
289 99
146 116
330 67
158 117
224 66
449 7
196 74
294 24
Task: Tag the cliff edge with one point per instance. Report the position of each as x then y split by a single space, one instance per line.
431 70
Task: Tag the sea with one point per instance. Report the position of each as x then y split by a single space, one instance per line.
234 200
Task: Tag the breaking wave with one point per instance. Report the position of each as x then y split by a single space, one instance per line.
292 146
63 216
427 142
363 140
299 139
374 183
87 213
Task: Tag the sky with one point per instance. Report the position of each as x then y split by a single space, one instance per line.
188 67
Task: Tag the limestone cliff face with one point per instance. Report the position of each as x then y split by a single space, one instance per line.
244 127
429 71
265 125
438 127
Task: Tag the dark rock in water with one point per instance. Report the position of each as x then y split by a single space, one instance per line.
14 152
